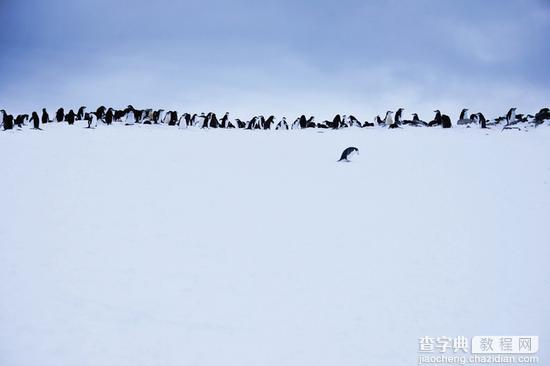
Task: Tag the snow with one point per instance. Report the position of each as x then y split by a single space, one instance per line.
149 245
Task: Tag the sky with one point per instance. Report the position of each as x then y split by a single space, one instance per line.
281 57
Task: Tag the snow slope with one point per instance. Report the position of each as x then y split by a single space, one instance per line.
148 245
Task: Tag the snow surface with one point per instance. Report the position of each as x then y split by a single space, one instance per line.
149 245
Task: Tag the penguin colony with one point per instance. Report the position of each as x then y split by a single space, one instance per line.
131 116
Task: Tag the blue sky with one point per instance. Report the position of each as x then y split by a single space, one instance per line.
282 57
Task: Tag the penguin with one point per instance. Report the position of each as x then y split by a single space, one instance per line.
379 121
269 122
482 120
296 124
21 120
348 153
119 114
282 125
109 116
388 120
91 119
70 117
310 123
446 121
463 119
224 121
258 122
213 121
130 116
416 122
45 116
60 115
172 118
511 117
398 114
322 125
35 121
437 119
240 124
184 120
100 112
368 124
202 121
7 120
354 122
169 119
344 123
335 124
303 121
80 113
542 116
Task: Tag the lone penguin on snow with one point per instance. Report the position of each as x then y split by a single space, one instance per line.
349 152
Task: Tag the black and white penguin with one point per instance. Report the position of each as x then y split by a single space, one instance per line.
388 120
446 121
21 120
511 116
354 122
100 112
108 117
348 153
398 116
146 117
3 119
542 116
213 123
296 124
416 122
35 121
344 123
379 121
282 125
224 121
481 119
119 114
335 124
91 118
60 115
172 118
45 116
131 117
81 112
227 121
70 117
322 125
184 121
437 119
368 124
202 120
240 123
310 123
270 121
7 120
464 119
